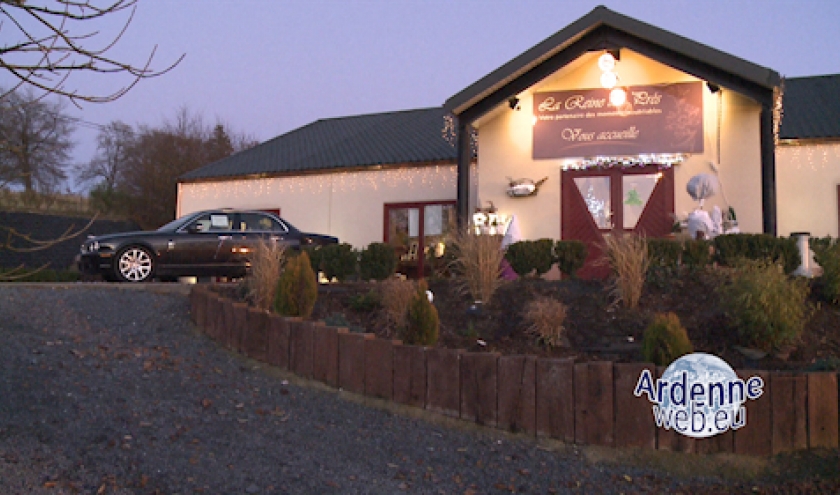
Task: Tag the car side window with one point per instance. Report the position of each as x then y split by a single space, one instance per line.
212 222
257 222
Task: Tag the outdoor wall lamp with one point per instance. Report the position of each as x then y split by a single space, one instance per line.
714 88
513 102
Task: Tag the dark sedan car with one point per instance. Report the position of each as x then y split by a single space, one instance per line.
206 243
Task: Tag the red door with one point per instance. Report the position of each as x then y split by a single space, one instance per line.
598 202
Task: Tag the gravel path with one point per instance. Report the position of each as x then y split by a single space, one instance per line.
112 390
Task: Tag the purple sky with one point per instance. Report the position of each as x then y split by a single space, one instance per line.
269 66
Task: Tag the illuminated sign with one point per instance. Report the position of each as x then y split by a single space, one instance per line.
653 119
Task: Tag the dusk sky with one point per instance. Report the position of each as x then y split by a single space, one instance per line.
266 67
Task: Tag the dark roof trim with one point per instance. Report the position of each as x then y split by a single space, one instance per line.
600 29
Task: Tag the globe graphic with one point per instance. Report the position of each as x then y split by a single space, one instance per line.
704 416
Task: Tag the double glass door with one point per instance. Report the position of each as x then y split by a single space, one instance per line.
419 233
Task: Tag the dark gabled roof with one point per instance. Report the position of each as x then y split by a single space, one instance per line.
393 138
602 29
811 108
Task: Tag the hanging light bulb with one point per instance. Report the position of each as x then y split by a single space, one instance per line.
606 62
609 80
618 97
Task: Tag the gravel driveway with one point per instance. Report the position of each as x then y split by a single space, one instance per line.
107 389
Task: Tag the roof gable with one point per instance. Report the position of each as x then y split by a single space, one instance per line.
605 29
412 136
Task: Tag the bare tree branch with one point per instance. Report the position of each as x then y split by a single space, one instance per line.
48 50
12 235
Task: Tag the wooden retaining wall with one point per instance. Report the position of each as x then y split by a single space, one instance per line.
585 403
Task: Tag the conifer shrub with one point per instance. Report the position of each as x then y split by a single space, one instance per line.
423 322
338 261
378 261
297 288
665 340
570 256
768 308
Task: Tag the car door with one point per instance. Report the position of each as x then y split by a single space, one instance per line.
204 246
252 227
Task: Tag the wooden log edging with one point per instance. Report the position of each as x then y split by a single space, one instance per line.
585 403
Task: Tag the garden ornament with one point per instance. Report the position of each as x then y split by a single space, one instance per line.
524 187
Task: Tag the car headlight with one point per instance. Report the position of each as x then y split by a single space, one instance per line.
90 247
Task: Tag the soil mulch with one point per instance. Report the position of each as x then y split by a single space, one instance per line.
596 328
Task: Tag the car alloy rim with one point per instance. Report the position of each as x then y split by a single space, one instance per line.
135 264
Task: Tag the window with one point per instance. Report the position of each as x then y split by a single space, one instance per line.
256 222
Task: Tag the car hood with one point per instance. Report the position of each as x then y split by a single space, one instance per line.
123 235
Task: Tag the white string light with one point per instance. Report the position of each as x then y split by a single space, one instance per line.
437 176
663 161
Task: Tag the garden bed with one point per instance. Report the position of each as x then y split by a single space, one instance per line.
596 328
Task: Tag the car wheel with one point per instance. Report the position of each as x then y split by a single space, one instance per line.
134 264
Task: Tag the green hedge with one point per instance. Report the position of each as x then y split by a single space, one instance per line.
570 256
731 247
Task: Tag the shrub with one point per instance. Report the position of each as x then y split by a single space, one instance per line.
627 257
338 261
423 322
378 261
478 261
696 253
545 316
396 295
829 282
266 265
526 257
665 340
664 252
730 247
297 288
367 302
570 256
768 308
314 253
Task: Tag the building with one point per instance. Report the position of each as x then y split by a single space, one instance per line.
597 129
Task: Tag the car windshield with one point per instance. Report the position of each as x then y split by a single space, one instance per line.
176 224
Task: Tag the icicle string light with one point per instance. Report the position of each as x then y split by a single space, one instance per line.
439 176
812 157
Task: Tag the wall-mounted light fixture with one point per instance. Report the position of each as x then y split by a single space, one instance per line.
714 88
513 103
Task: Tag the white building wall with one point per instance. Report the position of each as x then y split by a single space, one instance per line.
348 205
807 177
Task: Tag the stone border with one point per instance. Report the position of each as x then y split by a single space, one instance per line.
585 403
